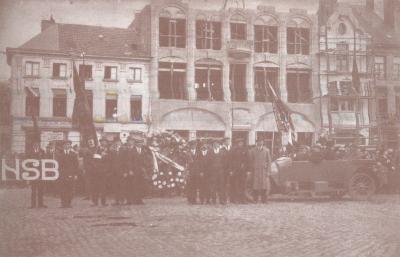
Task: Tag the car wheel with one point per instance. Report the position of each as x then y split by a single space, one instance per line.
362 186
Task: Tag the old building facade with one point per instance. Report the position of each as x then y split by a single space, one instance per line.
210 69
115 68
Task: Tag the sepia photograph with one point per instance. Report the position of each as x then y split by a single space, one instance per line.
200 128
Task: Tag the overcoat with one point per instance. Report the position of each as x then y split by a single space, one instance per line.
260 161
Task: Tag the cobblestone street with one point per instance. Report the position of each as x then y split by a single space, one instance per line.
169 227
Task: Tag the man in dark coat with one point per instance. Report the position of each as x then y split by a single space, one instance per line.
127 173
192 178
239 161
229 180
99 174
68 168
37 186
141 168
116 172
204 174
217 174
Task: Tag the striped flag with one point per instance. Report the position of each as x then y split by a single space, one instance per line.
82 116
283 117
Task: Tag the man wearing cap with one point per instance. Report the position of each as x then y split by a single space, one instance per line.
240 161
192 179
127 173
37 186
226 150
68 167
116 172
260 167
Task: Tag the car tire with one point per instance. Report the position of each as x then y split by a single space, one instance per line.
362 186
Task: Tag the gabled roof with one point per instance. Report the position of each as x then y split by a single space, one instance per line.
375 26
93 40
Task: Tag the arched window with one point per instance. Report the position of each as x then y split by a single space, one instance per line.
172 28
238 27
266 35
298 37
171 79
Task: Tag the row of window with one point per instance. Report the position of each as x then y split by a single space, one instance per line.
209 36
60 105
209 85
32 69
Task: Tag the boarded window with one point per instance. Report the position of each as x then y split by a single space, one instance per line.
262 76
59 103
171 80
136 108
298 41
265 39
299 86
208 35
237 82
172 32
85 71
208 82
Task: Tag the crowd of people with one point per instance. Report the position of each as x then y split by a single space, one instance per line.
213 172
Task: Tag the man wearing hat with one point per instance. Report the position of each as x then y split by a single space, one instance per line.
204 174
217 174
192 179
100 173
126 169
116 171
68 168
37 186
141 169
239 162
260 167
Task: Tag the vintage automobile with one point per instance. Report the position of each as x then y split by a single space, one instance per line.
360 179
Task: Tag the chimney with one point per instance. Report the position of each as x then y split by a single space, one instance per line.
369 4
388 12
47 23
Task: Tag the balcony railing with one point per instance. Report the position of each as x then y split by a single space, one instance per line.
240 48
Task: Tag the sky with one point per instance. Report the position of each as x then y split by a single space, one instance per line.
20 19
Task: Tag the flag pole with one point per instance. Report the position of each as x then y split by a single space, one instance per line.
356 91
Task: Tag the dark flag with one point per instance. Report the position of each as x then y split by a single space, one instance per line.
36 130
82 116
282 115
355 76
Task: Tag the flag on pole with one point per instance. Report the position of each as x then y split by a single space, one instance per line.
82 116
355 76
282 115
36 130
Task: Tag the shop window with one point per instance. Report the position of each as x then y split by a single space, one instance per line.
32 69
265 39
136 108
171 80
172 32
262 76
110 72
111 107
59 103
298 41
299 86
85 71
32 103
237 82
208 35
135 74
59 70
208 82
240 134
182 133
380 67
209 134
238 31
